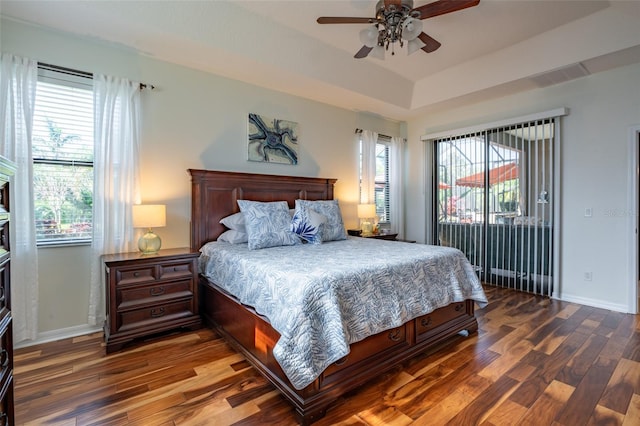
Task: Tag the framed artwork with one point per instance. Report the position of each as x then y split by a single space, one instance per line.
272 140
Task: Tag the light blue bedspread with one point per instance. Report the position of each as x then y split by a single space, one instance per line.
321 298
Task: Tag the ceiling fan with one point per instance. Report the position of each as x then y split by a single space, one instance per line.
398 21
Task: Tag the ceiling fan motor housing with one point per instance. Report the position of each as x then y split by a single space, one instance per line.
390 20
393 10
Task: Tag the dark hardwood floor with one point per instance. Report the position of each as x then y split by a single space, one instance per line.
534 361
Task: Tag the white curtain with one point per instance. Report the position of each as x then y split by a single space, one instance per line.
396 185
368 179
18 80
116 179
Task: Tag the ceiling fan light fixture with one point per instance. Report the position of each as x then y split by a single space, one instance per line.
369 36
414 45
411 28
378 52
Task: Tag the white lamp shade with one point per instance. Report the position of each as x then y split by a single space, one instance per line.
366 211
377 52
411 28
369 36
414 45
149 216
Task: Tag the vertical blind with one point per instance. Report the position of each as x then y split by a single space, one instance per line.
492 200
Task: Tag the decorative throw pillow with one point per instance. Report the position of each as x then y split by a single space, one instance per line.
308 224
235 221
268 224
333 228
234 237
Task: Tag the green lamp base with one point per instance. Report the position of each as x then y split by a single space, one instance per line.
149 243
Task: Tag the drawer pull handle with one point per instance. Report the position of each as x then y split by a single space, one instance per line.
459 307
425 322
395 335
175 269
155 313
342 360
2 294
4 358
136 274
156 291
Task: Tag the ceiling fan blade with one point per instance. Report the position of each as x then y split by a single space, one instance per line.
344 20
388 3
363 52
442 7
430 43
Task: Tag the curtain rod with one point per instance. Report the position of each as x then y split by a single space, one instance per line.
83 74
379 134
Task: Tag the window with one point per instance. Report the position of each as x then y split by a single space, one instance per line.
63 156
381 181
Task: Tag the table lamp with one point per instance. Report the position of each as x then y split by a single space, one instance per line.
366 212
149 216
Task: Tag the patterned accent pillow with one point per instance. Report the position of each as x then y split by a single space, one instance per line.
308 224
333 229
268 224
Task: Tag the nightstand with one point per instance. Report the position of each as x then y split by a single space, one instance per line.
147 294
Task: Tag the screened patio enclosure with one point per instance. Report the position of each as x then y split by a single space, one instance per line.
492 201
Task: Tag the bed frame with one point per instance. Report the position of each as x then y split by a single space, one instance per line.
214 196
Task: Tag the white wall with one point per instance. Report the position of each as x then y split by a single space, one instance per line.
192 120
594 164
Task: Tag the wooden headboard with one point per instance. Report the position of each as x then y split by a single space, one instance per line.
214 195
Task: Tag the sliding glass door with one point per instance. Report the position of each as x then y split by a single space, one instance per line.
492 201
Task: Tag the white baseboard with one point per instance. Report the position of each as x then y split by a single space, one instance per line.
593 303
53 335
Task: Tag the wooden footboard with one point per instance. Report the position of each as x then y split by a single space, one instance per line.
252 335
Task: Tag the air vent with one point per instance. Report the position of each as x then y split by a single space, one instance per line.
560 75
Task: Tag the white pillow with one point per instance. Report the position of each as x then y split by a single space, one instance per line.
234 237
235 222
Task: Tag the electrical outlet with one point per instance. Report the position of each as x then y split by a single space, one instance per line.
588 276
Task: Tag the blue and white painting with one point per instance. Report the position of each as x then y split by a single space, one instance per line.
272 140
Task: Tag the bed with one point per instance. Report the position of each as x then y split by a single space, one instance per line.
214 197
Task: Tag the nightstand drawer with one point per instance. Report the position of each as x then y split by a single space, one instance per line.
141 274
146 317
176 270
138 296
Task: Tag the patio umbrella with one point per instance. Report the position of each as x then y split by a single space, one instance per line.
496 175
442 185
